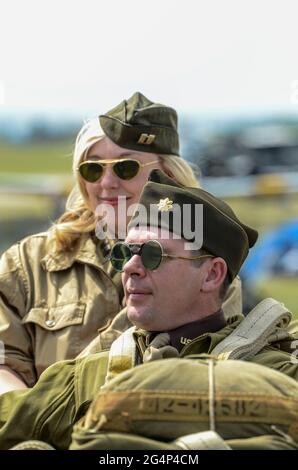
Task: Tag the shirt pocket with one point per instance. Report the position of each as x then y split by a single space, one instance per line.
57 317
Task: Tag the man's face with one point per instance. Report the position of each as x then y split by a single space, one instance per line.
168 297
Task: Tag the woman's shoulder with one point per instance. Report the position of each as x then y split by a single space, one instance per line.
31 242
35 246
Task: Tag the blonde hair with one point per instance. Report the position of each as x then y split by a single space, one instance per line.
78 218
180 170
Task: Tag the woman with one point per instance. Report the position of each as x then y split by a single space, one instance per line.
57 290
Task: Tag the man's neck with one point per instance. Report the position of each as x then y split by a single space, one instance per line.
186 333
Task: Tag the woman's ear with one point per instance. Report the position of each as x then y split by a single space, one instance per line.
216 271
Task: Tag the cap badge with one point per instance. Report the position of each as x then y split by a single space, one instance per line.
165 205
146 139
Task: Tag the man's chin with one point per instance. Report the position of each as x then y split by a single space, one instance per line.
137 317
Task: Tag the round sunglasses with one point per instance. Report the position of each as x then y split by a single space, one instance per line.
151 254
125 169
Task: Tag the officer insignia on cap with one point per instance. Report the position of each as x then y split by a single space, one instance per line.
146 139
165 205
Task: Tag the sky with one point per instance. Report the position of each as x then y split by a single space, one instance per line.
205 57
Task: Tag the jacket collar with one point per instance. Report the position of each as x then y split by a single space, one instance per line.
206 342
88 251
202 344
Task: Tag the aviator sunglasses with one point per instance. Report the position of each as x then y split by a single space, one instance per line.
151 254
125 169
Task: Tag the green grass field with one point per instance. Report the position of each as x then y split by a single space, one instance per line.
281 288
52 157
28 166
266 212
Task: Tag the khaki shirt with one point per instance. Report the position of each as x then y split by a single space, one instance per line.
52 305
65 390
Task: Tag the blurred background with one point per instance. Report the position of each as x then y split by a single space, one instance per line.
229 68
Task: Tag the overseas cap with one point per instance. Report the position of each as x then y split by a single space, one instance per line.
224 234
140 124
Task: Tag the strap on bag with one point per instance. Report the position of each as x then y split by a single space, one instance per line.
255 331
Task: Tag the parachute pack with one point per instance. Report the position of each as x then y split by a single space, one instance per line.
168 404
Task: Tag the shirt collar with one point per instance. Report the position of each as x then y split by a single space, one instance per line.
87 251
186 333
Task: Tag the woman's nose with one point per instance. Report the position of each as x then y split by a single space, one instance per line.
109 179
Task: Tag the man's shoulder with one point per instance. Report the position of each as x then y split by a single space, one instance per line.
91 361
90 374
279 360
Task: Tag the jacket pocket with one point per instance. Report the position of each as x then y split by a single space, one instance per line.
56 318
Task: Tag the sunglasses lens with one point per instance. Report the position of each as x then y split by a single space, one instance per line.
120 254
151 254
127 169
91 172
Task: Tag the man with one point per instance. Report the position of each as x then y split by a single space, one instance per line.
174 297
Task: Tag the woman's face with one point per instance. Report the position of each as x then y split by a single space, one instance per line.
103 194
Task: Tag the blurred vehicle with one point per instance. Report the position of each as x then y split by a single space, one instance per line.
252 151
275 254
271 269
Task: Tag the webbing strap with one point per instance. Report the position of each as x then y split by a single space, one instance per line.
254 331
122 355
207 440
32 445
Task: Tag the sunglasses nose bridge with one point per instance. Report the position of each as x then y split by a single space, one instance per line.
135 249
134 263
109 178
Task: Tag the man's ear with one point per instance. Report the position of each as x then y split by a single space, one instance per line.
216 272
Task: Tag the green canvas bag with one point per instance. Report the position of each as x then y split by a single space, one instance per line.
166 399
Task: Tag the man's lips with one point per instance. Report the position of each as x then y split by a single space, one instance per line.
137 294
138 291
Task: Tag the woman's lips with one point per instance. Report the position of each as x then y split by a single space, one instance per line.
112 201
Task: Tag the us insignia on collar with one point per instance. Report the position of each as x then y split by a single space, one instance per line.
165 205
184 340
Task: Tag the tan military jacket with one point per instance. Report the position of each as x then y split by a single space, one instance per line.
64 392
52 305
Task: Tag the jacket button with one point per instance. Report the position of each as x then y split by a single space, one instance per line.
50 323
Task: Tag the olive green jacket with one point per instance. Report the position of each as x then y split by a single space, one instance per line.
65 390
53 304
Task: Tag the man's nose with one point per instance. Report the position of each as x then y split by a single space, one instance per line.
134 267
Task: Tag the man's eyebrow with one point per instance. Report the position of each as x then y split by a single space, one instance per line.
169 250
